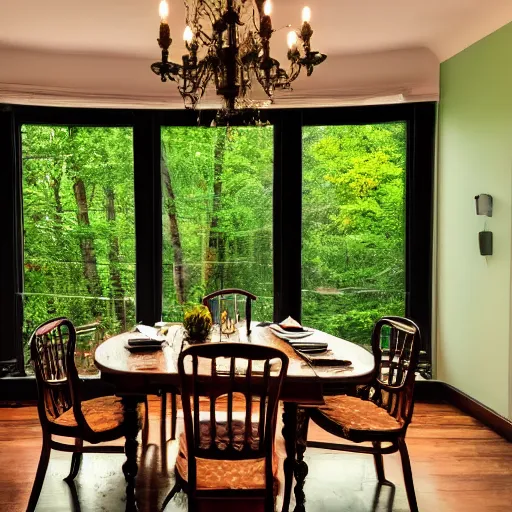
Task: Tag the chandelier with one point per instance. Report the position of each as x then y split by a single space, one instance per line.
228 43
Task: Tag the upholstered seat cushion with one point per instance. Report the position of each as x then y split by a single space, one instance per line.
102 414
353 413
225 474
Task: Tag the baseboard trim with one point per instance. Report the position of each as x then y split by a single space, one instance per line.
438 391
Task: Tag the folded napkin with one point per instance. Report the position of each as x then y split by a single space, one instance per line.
289 324
150 332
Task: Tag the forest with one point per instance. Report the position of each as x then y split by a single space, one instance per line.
79 225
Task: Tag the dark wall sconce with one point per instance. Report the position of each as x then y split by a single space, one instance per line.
485 242
483 204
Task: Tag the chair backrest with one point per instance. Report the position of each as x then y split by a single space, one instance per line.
220 372
49 346
229 306
396 343
52 350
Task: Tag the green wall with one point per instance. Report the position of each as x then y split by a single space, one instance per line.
475 156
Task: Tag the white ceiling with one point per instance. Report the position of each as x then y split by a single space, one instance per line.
130 27
98 52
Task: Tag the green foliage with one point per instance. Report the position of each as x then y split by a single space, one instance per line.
57 243
353 251
237 251
79 250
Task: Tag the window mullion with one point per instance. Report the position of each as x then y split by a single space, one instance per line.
287 215
148 218
11 255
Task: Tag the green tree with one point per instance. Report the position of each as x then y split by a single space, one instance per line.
78 207
217 186
353 226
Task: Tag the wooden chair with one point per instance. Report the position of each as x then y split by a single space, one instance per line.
214 302
230 456
61 409
218 301
381 411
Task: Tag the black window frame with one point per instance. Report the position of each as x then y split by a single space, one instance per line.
420 120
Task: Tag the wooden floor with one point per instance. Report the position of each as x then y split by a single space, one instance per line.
458 465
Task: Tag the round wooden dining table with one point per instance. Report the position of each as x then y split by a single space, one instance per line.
135 375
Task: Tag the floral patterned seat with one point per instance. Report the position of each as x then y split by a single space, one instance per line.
225 474
353 413
101 414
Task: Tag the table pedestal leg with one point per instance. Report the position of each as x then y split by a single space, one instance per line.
130 468
289 434
301 468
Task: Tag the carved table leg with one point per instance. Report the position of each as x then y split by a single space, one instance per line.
289 434
130 467
301 468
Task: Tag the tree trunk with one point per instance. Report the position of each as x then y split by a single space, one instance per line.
216 243
59 237
179 271
58 201
90 267
116 285
86 242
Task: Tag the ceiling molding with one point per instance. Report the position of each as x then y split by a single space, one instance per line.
83 80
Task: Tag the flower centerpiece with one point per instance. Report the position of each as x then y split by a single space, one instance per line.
198 323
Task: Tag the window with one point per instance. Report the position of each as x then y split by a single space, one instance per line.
118 216
353 231
78 223
217 215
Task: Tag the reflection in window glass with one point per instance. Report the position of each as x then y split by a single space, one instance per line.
79 240
217 215
353 249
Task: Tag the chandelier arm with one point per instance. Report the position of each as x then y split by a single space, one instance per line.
254 21
217 6
210 13
171 77
245 81
264 86
207 77
293 75
196 94
205 38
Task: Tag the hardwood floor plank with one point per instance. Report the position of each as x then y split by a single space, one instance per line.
458 464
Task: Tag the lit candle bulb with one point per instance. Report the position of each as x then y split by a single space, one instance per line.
188 35
164 40
306 15
163 10
267 8
292 40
